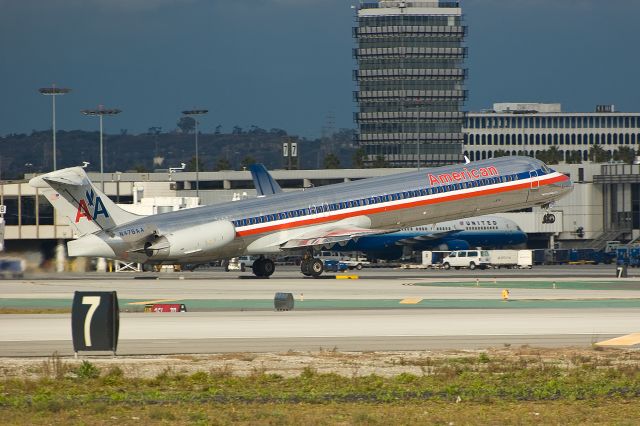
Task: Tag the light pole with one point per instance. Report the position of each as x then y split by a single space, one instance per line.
54 91
100 112
194 113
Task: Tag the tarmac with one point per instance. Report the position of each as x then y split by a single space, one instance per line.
382 309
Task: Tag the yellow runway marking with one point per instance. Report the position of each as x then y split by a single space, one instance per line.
347 277
628 340
152 302
411 301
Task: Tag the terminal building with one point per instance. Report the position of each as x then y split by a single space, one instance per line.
410 82
530 128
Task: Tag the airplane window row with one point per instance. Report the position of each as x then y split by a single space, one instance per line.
324 208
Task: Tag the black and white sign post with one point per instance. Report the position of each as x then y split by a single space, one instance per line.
290 153
95 321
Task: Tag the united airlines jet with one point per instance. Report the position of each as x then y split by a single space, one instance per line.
459 234
314 218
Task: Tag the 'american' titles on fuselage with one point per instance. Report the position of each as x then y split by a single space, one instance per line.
464 174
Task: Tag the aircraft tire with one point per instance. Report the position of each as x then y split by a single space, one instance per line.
304 267
258 268
316 267
268 267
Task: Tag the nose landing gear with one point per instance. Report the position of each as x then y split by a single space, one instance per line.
549 218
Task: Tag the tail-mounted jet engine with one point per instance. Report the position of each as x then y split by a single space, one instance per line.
192 240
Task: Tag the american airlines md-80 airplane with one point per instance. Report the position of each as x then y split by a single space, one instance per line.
313 218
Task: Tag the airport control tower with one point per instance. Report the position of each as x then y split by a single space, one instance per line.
410 82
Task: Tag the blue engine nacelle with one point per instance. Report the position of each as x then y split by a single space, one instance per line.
454 245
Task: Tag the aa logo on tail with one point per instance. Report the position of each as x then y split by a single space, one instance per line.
94 202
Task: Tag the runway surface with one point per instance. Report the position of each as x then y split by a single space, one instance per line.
358 315
346 330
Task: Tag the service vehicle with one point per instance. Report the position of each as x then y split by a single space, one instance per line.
471 259
240 263
12 267
355 261
511 258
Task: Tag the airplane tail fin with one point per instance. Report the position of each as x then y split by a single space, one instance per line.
88 209
265 183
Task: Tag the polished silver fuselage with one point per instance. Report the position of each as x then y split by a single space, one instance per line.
391 202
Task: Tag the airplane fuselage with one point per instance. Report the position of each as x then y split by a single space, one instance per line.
263 225
459 234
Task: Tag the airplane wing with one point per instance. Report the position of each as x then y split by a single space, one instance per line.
421 238
265 184
330 236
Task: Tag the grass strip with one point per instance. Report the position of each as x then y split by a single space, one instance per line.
620 412
537 284
525 388
27 306
481 379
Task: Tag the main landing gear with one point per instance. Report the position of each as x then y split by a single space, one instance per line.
310 266
548 217
263 267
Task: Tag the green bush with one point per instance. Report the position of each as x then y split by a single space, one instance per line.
86 370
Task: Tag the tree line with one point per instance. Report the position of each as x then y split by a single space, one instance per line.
160 150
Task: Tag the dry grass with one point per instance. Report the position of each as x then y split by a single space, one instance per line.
31 311
604 412
500 386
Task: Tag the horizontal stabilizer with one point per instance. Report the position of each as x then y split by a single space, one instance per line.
87 209
66 180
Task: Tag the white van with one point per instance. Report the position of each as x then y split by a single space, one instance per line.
471 259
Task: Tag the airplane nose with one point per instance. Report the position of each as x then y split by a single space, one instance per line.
565 185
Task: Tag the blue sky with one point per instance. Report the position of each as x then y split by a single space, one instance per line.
288 63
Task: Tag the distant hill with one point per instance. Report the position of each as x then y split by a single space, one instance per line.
22 153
